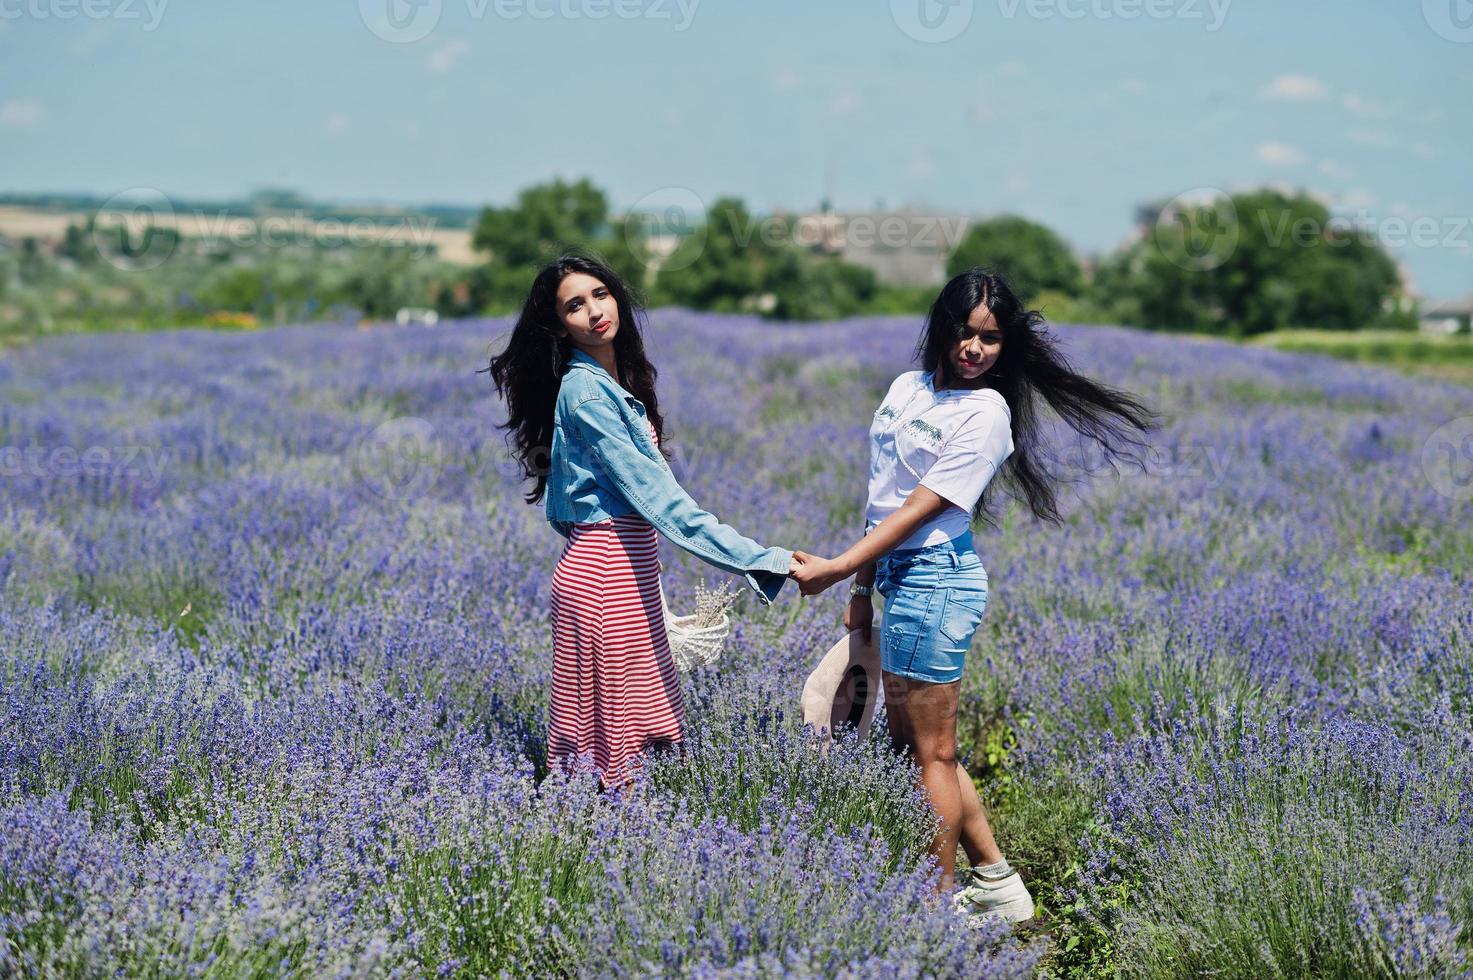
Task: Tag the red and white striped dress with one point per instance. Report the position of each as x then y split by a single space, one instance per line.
615 690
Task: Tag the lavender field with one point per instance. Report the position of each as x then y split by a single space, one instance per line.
274 654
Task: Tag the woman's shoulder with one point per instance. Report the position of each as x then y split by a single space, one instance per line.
906 382
986 411
578 387
994 398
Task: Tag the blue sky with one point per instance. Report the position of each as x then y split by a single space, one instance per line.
1066 111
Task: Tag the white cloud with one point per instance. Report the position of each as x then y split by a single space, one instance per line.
922 166
1429 116
1357 198
1134 86
1280 155
443 58
1365 107
786 79
1296 88
846 102
1423 150
1011 69
20 112
335 124
1335 169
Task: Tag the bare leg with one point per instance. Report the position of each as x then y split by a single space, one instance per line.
923 722
976 832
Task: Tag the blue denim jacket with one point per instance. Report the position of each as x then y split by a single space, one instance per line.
604 464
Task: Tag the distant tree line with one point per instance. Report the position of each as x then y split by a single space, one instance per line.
1255 262
1244 264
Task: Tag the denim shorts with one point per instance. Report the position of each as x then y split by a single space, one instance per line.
934 601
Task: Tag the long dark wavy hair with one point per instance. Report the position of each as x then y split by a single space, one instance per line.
529 371
1031 365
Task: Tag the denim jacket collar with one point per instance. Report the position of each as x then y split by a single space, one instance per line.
586 361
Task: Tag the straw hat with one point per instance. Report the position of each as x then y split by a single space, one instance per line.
845 686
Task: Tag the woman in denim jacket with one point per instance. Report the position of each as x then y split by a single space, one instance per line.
582 407
936 441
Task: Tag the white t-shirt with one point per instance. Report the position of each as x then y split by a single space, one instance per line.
949 441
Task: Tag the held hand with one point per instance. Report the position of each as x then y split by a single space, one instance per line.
815 574
860 615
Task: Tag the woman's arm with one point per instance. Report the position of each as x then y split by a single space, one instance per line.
860 615
652 490
815 574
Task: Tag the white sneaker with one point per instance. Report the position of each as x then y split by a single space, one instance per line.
1007 897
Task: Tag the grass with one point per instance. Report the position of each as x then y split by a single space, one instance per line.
1444 356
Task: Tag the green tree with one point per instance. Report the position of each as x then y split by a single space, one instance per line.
545 219
77 243
1027 254
805 287
626 252
719 267
1255 262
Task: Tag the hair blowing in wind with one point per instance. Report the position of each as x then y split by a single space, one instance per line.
1031 367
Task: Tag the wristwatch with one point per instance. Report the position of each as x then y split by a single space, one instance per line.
857 589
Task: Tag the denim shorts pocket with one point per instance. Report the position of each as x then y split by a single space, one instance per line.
962 613
904 622
898 646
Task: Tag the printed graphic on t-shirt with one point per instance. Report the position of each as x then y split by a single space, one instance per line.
927 433
952 441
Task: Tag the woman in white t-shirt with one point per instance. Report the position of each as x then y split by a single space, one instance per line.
936 442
